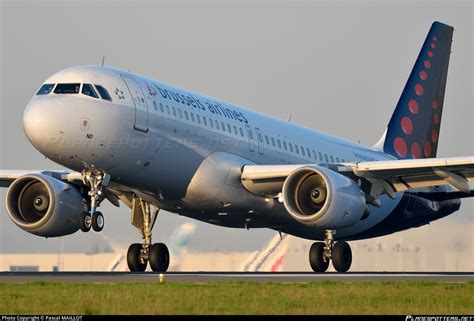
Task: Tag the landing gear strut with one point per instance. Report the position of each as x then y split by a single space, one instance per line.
96 180
322 252
139 255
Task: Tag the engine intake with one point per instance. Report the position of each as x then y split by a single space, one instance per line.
320 197
44 206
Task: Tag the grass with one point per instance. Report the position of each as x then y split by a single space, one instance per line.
238 298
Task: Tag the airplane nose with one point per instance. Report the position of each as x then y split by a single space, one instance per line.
40 123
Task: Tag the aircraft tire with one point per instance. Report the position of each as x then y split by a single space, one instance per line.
316 255
97 221
85 222
133 258
159 257
341 256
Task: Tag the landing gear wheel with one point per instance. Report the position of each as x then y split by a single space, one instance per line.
134 261
85 222
159 257
341 256
316 257
97 221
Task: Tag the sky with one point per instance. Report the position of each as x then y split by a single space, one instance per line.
335 66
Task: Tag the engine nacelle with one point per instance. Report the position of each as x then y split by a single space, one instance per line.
320 197
44 206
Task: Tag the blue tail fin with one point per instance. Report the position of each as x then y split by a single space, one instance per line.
413 130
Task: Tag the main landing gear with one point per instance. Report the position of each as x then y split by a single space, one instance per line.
322 252
96 180
139 255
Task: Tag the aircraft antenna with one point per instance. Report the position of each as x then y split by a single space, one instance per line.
103 60
289 118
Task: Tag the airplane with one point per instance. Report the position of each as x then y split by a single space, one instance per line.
147 144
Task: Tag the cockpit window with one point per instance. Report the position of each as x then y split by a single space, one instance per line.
103 93
45 89
88 90
67 89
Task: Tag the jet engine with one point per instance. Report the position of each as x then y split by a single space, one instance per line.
44 206
320 197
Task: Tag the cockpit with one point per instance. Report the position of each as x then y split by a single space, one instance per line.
91 90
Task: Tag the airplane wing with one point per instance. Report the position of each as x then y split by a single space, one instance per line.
8 176
379 177
113 192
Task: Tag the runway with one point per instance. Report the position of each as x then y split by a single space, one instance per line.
205 277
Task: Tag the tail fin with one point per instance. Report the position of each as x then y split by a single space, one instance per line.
413 130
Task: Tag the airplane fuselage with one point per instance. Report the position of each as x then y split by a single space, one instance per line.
184 152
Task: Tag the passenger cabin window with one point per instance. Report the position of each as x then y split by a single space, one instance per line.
332 159
45 89
67 89
103 93
88 90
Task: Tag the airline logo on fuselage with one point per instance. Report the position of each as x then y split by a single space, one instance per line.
214 107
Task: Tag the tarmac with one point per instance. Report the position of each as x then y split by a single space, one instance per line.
206 277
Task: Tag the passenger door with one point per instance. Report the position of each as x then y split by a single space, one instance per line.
251 137
139 100
259 140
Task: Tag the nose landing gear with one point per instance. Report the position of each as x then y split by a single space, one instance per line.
96 180
321 253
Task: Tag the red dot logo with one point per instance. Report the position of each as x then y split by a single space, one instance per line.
433 45
430 53
427 149
434 104
400 147
407 125
436 118
434 135
415 150
419 89
413 106
427 64
423 75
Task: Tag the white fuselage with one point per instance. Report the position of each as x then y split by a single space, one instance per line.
182 150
